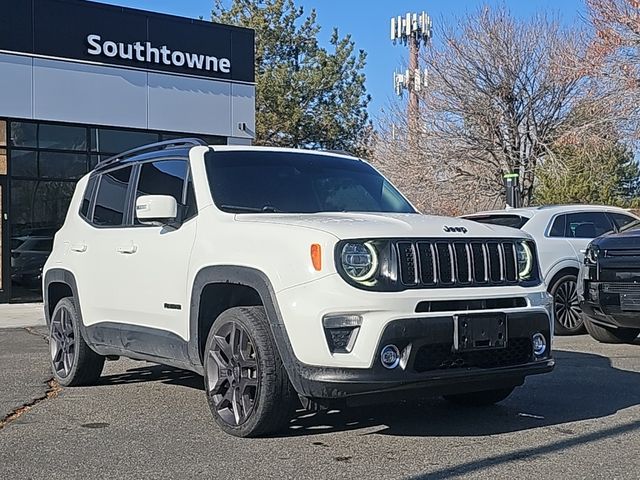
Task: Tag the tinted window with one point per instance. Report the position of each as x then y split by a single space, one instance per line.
513 221
61 137
62 165
24 163
265 181
587 225
24 134
165 177
111 198
86 200
117 141
621 220
558 227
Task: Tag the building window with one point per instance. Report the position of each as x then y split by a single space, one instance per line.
116 141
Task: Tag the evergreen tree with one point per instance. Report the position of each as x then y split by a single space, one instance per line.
604 174
306 95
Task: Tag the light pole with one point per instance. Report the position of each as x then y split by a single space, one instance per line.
414 30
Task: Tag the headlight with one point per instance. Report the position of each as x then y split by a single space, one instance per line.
591 255
525 260
359 261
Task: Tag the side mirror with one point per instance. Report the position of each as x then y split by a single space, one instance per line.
157 210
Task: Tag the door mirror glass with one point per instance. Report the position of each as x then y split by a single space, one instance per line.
156 209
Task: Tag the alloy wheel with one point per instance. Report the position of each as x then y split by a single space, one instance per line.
62 342
232 374
567 306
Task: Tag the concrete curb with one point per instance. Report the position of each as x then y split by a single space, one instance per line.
14 315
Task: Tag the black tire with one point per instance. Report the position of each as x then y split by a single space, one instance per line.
246 384
479 399
72 361
569 319
611 335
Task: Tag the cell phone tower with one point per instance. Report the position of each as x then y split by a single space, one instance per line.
415 30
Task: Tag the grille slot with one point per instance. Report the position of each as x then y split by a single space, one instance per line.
444 263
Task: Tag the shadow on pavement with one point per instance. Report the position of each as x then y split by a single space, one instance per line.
583 386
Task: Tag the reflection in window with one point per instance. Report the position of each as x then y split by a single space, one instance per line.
24 134
61 137
111 197
24 163
117 141
62 165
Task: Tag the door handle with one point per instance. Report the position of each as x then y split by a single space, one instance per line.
128 249
79 247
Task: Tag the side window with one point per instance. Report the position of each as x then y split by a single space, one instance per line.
164 177
111 199
190 199
587 225
621 220
88 195
557 229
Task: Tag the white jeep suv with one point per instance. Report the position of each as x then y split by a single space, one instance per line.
285 276
562 233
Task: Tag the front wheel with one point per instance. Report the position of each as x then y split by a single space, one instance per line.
566 306
479 399
611 335
247 387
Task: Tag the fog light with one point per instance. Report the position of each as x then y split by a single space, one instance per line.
539 344
390 356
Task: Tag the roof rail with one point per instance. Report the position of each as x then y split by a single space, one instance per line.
175 143
341 152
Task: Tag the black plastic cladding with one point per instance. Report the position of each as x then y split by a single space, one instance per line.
391 250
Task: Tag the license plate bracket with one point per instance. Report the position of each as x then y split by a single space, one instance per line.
479 331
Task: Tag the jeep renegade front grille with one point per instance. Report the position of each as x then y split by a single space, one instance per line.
443 263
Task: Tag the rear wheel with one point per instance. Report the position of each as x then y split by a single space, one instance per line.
247 387
611 335
566 306
72 361
478 399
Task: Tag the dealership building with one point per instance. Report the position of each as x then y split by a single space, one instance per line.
80 81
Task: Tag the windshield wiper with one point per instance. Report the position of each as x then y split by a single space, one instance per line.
242 209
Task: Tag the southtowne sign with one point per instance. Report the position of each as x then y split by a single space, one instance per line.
145 52
110 35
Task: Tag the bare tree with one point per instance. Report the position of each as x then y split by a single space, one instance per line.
501 92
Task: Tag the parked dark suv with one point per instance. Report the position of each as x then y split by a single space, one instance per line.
609 286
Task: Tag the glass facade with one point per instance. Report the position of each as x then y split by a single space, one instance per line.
42 162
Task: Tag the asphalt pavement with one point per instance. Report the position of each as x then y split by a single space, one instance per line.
149 421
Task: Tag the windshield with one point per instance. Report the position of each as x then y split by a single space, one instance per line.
289 182
513 221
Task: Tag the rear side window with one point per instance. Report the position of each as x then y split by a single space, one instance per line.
513 221
587 225
88 195
558 227
111 198
621 220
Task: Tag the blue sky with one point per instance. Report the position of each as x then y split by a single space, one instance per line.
368 23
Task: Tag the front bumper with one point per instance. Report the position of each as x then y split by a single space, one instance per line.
604 303
431 367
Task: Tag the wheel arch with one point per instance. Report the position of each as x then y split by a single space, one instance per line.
565 268
241 284
58 284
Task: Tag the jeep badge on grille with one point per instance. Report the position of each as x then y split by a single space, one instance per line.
449 229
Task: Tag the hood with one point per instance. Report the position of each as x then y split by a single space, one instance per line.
629 240
386 225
